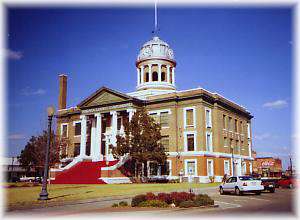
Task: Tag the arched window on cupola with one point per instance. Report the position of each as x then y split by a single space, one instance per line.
154 76
147 77
163 77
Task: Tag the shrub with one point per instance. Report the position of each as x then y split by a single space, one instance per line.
150 196
187 204
115 205
123 203
154 203
166 197
203 200
178 197
137 200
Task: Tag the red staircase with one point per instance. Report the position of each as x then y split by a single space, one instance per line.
85 172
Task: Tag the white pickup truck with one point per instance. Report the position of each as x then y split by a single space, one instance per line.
241 184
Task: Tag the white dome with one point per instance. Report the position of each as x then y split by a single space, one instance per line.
155 48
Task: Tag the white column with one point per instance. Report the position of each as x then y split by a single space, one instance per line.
150 72
131 112
93 138
159 72
83 136
98 136
138 76
142 74
173 75
114 126
168 73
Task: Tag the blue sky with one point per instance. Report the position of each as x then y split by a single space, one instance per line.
244 54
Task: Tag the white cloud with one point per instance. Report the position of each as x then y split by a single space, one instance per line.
29 92
262 136
14 55
275 104
16 136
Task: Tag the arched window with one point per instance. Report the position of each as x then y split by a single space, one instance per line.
147 77
163 77
154 76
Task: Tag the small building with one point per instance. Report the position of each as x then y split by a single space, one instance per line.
267 166
13 170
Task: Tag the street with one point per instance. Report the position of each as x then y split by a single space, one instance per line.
280 202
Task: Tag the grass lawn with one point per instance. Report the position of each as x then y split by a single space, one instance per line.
26 197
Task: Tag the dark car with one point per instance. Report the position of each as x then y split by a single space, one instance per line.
269 185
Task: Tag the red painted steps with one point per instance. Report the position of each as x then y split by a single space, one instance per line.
85 172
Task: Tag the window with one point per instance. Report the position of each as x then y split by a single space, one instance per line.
154 76
189 117
164 119
241 127
76 149
209 142
225 142
165 168
210 167
119 123
77 129
208 118
163 77
226 167
165 142
229 124
235 125
190 142
147 77
237 147
191 168
224 121
153 169
64 130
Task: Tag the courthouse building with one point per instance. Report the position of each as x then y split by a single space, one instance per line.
204 134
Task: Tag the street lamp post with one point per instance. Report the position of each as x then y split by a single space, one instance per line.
44 193
231 147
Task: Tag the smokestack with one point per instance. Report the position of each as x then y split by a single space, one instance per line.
62 99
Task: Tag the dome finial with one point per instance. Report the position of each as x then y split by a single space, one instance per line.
155 31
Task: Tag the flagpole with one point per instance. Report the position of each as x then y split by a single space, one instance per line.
155 18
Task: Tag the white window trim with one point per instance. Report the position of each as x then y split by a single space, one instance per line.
61 129
208 123
170 167
227 161
212 162
194 117
244 168
250 167
212 148
186 173
185 140
74 124
248 130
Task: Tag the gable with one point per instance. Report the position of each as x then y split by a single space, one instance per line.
104 96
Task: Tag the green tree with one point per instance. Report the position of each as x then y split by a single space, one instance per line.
141 141
33 155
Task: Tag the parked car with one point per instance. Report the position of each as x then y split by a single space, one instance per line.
269 185
286 182
241 184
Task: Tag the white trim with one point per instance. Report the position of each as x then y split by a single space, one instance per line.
227 161
206 153
185 133
208 124
160 111
75 122
250 167
212 168
194 117
225 142
170 167
115 180
185 167
61 129
211 146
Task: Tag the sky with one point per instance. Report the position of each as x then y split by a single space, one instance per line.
244 54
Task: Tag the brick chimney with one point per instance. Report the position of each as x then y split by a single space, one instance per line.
62 99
